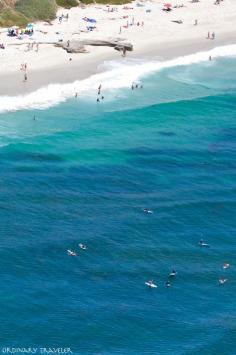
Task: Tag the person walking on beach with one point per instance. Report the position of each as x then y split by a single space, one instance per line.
208 35
213 35
25 77
195 23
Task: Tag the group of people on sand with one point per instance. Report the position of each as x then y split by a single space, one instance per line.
66 17
111 9
128 24
211 36
31 46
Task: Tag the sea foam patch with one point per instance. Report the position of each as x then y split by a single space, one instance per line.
117 74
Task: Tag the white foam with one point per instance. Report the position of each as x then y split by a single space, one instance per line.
118 75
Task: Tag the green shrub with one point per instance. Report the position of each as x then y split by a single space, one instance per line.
109 2
67 3
9 17
37 9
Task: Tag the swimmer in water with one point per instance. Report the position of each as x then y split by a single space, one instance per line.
222 281
98 100
167 284
76 94
173 273
202 244
146 210
226 266
82 246
102 97
150 283
71 252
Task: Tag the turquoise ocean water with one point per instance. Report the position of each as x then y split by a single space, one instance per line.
83 172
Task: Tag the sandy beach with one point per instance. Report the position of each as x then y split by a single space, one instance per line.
154 34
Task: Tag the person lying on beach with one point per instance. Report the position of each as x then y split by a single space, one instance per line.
177 21
178 6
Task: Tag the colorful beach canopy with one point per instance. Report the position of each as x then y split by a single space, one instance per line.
167 5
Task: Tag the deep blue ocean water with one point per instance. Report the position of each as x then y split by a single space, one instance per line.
83 172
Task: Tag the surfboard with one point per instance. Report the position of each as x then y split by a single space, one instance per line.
150 284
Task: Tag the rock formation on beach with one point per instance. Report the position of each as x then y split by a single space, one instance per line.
80 46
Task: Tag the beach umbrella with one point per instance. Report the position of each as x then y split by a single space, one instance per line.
167 6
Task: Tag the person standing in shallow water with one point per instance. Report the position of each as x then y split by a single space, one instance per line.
99 89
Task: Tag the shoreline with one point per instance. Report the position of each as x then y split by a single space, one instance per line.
66 74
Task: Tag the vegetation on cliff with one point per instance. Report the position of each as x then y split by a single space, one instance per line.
20 12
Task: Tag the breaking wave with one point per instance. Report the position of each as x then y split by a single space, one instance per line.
117 75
